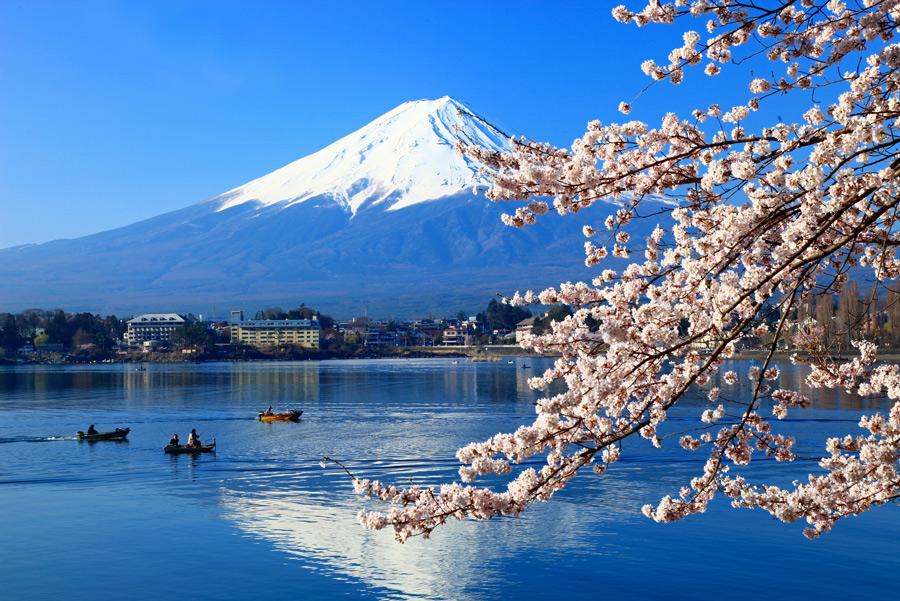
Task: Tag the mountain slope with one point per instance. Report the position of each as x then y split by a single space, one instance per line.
383 219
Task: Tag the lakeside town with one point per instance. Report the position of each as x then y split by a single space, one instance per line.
40 336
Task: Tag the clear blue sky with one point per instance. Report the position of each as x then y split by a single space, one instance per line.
111 112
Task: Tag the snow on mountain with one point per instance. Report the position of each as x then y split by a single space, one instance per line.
405 157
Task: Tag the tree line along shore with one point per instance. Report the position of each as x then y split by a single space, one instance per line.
58 337
42 336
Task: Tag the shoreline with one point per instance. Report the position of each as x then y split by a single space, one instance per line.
257 356
888 356
487 354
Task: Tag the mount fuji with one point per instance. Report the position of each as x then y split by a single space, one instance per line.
384 219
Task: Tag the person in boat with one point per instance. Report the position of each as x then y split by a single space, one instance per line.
174 442
193 439
268 411
91 430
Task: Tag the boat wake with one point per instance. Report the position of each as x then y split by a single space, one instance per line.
37 439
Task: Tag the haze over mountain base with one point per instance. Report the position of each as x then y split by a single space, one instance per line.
436 257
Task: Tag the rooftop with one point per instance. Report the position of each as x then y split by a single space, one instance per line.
160 317
276 323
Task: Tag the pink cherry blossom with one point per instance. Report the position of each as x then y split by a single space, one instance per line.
765 212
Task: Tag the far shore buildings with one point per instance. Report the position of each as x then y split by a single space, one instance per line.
454 335
152 327
524 327
274 332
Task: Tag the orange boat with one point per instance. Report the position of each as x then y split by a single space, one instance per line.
287 416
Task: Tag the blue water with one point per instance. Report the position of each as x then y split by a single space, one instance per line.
261 519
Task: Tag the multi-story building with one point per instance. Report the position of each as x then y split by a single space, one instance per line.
379 337
454 336
157 327
274 332
524 327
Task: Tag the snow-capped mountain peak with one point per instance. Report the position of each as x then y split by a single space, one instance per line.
403 158
382 219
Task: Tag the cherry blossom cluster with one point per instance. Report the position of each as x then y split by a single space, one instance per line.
860 472
760 220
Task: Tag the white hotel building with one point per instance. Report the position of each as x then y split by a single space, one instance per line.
157 327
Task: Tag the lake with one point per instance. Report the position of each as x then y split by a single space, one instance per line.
262 520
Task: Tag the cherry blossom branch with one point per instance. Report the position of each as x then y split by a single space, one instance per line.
754 221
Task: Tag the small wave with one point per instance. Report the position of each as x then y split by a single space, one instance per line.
50 480
229 418
180 418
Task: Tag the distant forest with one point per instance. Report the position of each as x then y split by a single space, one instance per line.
851 315
71 330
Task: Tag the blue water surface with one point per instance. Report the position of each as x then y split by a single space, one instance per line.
261 519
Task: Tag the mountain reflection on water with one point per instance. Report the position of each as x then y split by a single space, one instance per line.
261 519
306 516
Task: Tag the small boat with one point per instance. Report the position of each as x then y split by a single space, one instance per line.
179 449
117 434
287 416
